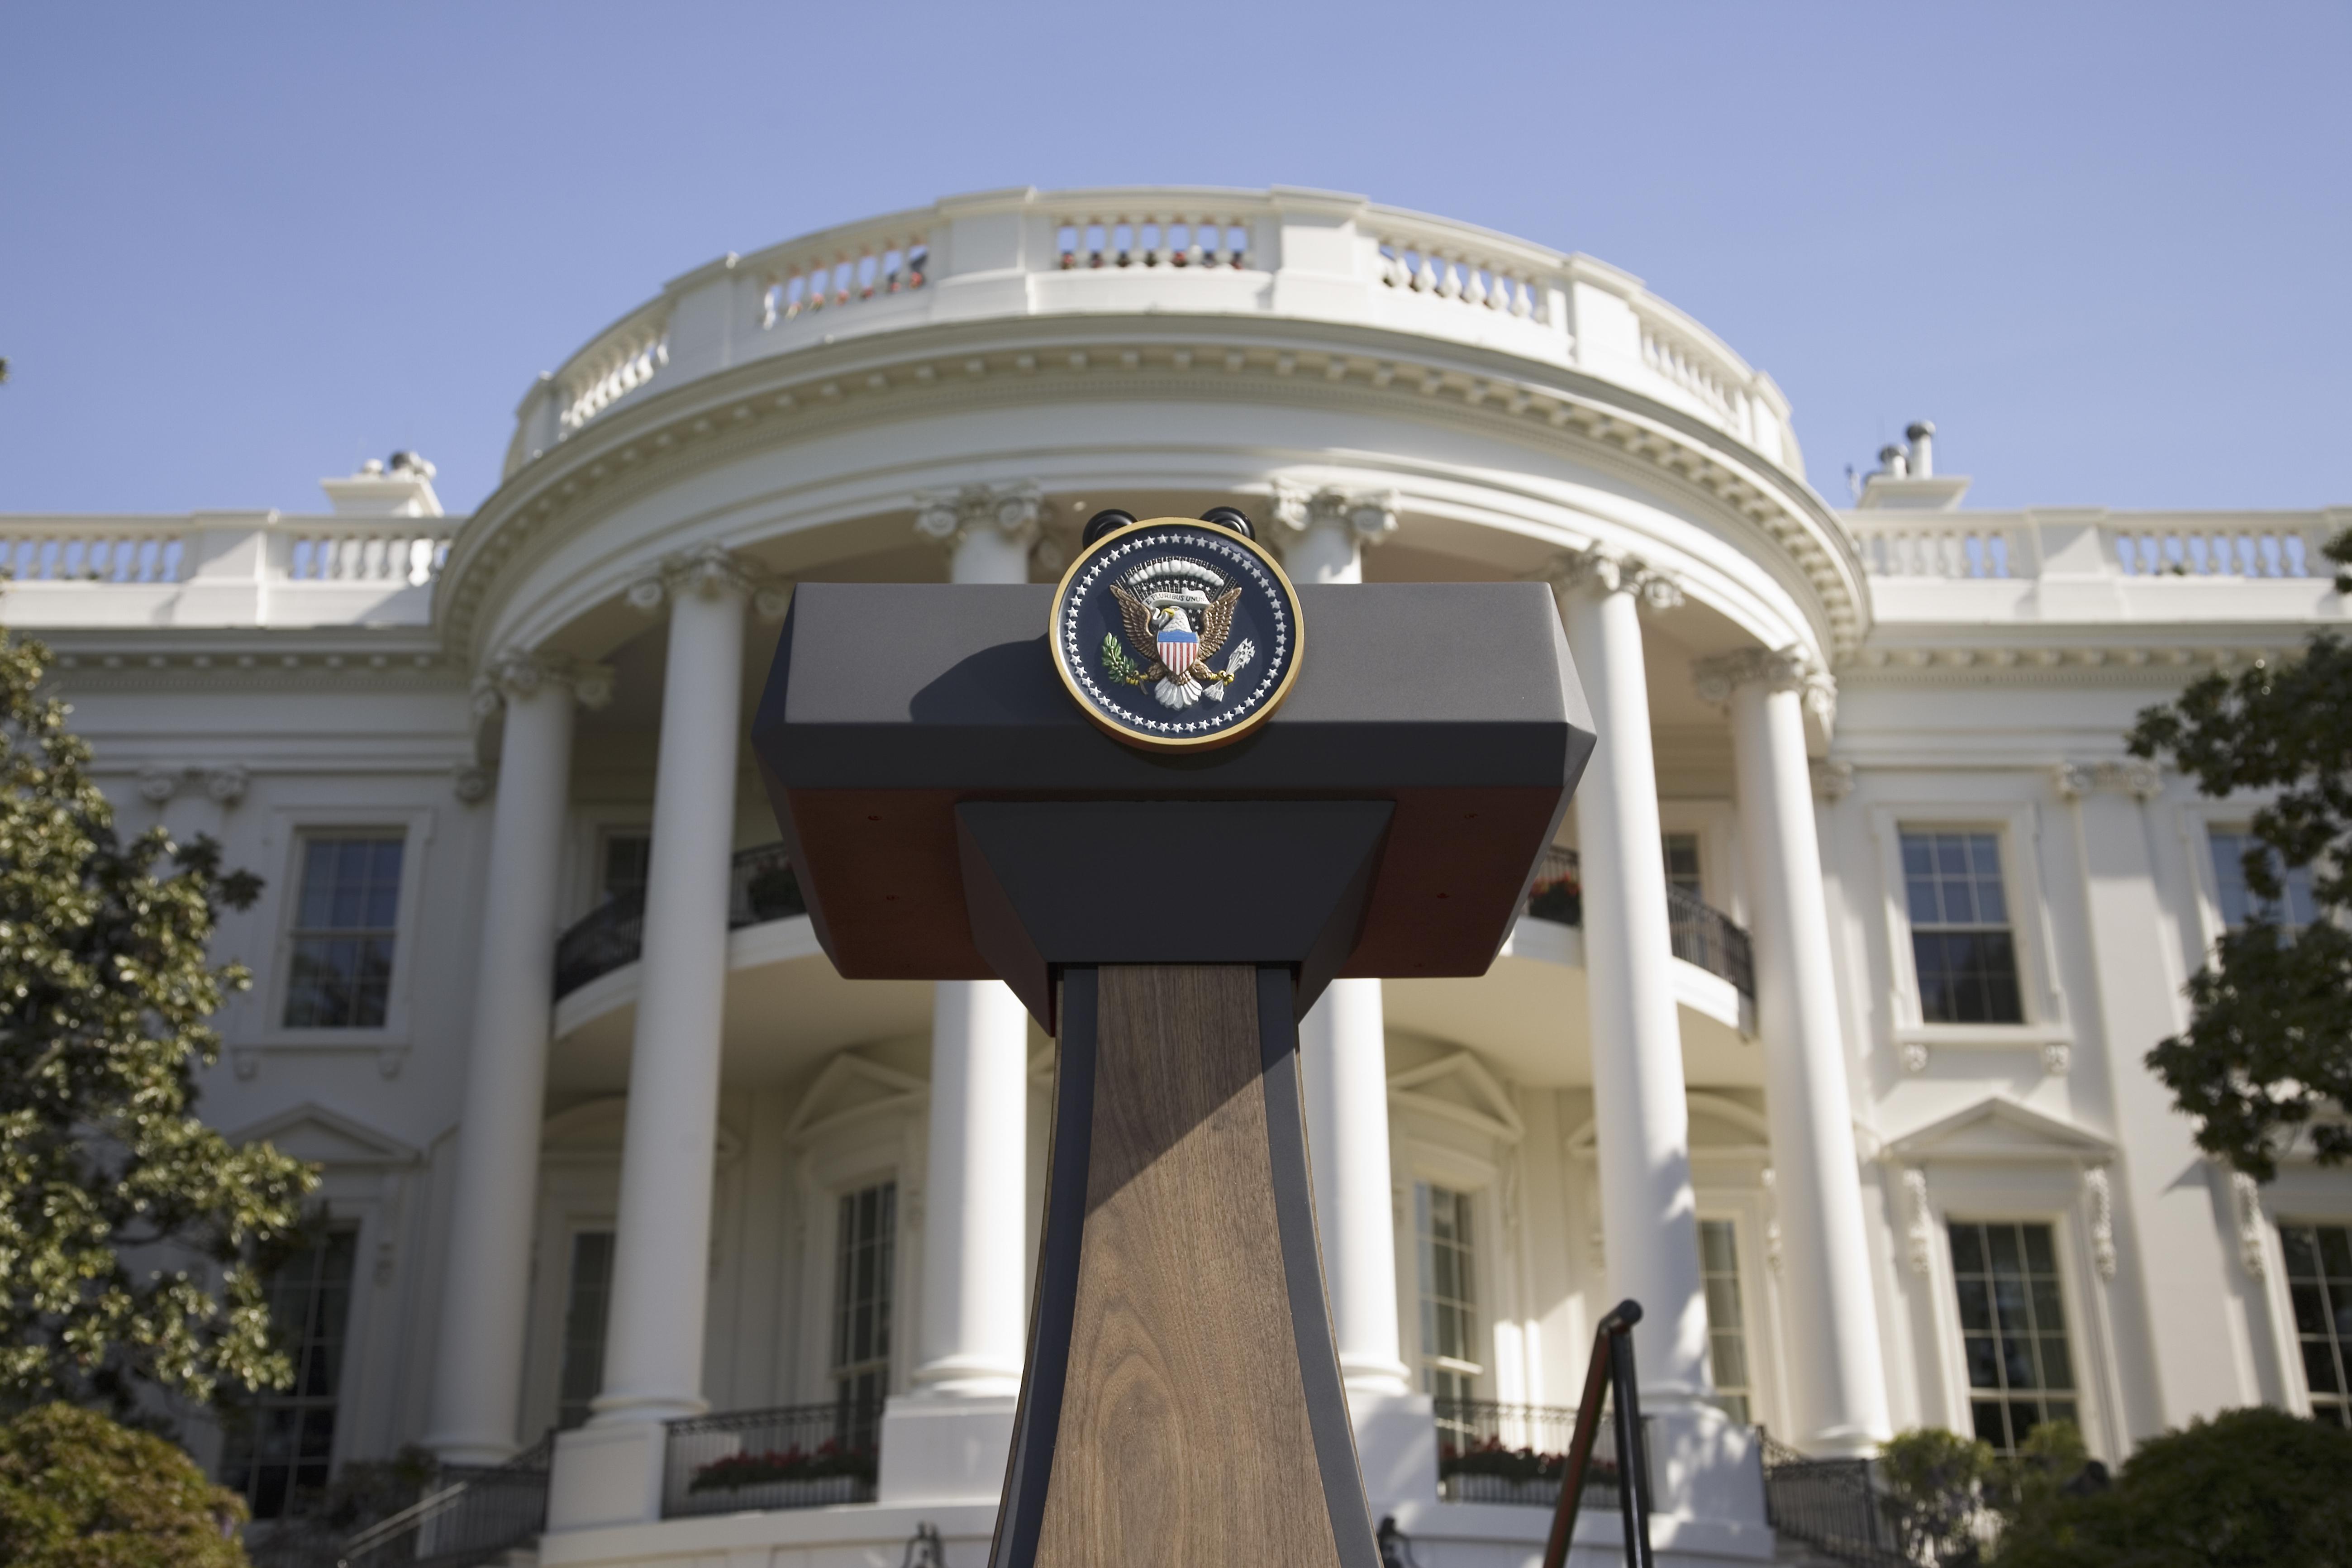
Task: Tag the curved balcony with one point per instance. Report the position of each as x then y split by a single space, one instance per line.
762 887
1279 253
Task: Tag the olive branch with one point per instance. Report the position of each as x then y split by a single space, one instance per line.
1117 665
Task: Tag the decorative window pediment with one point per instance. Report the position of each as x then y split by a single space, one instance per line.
850 1088
1999 1129
312 1131
1459 1087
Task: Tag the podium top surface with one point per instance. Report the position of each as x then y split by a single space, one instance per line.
927 686
891 704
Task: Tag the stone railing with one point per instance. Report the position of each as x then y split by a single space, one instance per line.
1160 251
219 569
625 356
1957 545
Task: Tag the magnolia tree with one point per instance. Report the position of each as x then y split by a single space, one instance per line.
129 1232
2268 1053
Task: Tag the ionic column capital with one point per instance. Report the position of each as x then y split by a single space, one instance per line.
1014 510
523 672
1789 669
2135 776
1604 570
706 572
1366 517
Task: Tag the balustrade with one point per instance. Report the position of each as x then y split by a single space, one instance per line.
2207 549
802 280
1087 239
1705 376
91 552
1421 266
625 358
1938 545
337 553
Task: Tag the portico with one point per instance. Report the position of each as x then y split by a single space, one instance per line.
1652 584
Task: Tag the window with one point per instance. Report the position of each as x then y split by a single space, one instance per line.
624 858
281 1443
582 1374
2319 1279
1449 1295
1961 940
863 1253
2013 1329
2238 901
1727 1336
341 976
1682 863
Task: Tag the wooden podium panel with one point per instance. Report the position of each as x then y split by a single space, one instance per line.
1183 1406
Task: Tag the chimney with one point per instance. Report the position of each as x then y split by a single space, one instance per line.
1894 462
1922 434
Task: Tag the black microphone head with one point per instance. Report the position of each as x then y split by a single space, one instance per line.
1102 522
1232 518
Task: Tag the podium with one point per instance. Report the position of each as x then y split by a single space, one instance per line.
954 812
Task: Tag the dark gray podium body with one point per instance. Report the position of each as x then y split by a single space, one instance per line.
953 815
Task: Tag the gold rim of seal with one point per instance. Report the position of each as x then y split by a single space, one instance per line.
1225 737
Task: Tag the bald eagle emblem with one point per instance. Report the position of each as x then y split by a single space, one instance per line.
1177 614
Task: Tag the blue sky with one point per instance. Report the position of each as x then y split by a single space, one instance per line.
2103 247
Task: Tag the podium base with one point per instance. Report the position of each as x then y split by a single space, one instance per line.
1182 1403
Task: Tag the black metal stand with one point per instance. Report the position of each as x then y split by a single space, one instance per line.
1609 1372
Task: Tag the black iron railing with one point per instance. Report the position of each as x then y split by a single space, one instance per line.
1700 933
798 1455
760 886
471 1515
1489 1452
1835 1506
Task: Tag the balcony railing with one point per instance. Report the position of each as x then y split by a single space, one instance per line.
760 886
1699 932
1516 1453
797 1456
475 1516
1833 1505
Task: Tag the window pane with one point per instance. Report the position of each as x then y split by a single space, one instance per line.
280 1443
340 951
582 1371
2007 1272
2318 1261
1718 1251
864 1269
1449 1312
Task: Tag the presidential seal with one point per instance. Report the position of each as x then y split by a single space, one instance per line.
1175 633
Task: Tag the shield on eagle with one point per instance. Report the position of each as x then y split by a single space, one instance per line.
1177 646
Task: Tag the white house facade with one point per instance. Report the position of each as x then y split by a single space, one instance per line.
1821 1035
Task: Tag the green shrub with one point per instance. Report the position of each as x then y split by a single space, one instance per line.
78 1491
2250 1488
1936 1480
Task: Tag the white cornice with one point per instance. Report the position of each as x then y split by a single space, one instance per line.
638 450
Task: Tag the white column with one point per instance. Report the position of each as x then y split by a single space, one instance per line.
949 1440
1839 1385
1343 1066
1343 1077
1649 1218
477 1361
1701 1464
975 1196
661 1262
